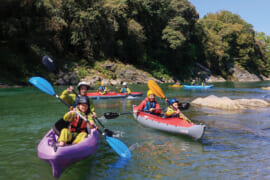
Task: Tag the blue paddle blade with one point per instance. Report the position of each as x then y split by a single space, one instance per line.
119 147
43 85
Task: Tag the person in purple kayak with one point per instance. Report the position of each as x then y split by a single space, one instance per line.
77 129
71 98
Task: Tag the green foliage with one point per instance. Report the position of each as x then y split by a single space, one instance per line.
153 35
230 40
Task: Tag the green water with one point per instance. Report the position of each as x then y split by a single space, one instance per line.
234 145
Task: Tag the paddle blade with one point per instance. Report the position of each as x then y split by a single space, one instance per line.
119 147
43 85
154 87
48 62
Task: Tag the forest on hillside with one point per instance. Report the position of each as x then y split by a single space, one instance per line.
158 36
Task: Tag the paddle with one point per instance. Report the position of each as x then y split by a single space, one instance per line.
112 115
118 146
49 64
154 87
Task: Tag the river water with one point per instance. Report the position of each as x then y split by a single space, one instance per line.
236 144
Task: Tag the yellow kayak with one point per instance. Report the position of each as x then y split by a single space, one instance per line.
175 85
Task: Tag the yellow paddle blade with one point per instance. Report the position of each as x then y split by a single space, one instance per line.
154 87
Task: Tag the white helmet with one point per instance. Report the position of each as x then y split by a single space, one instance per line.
124 83
83 83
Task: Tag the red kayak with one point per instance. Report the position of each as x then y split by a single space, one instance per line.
96 95
172 125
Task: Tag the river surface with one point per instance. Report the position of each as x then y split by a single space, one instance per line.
236 144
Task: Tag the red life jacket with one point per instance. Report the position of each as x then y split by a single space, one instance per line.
78 125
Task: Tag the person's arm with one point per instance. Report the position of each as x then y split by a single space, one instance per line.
158 110
169 112
140 107
128 91
121 90
90 119
69 116
68 96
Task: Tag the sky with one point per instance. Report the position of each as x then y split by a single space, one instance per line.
254 12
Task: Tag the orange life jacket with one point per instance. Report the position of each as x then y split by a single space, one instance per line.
78 125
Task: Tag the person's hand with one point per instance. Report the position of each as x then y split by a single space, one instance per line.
70 89
72 111
152 109
94 115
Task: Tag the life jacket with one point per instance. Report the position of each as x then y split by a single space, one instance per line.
78 125
170 111
76 101
149 105
102 88
123 90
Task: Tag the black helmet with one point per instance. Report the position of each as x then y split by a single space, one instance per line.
83 100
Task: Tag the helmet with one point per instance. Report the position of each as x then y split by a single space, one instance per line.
83 83
83 100
124 83
102 84
149 92
171 101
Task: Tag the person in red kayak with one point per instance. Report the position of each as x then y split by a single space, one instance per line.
173 109
149 104
71 98
125 89
102 89
77 129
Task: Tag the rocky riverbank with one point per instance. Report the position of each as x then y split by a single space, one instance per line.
113 73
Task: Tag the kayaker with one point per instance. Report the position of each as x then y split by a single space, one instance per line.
149 104
70 97
125 89
102 89
177 83
203 82
193 83
173 109
77 130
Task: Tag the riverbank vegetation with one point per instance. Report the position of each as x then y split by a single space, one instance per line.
163 37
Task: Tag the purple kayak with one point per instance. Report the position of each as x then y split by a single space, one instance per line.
61 157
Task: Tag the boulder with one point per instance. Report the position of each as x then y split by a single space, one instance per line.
229 104
265 88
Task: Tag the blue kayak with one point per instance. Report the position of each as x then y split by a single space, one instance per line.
197 86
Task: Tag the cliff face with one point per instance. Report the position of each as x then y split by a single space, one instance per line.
110 73
113 73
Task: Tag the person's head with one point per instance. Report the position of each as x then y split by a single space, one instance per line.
83 87
124 84
83 103
150 95
102 84
173 103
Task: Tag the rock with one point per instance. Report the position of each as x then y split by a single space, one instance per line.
265 88
215 79
70 78
241 74
229 104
